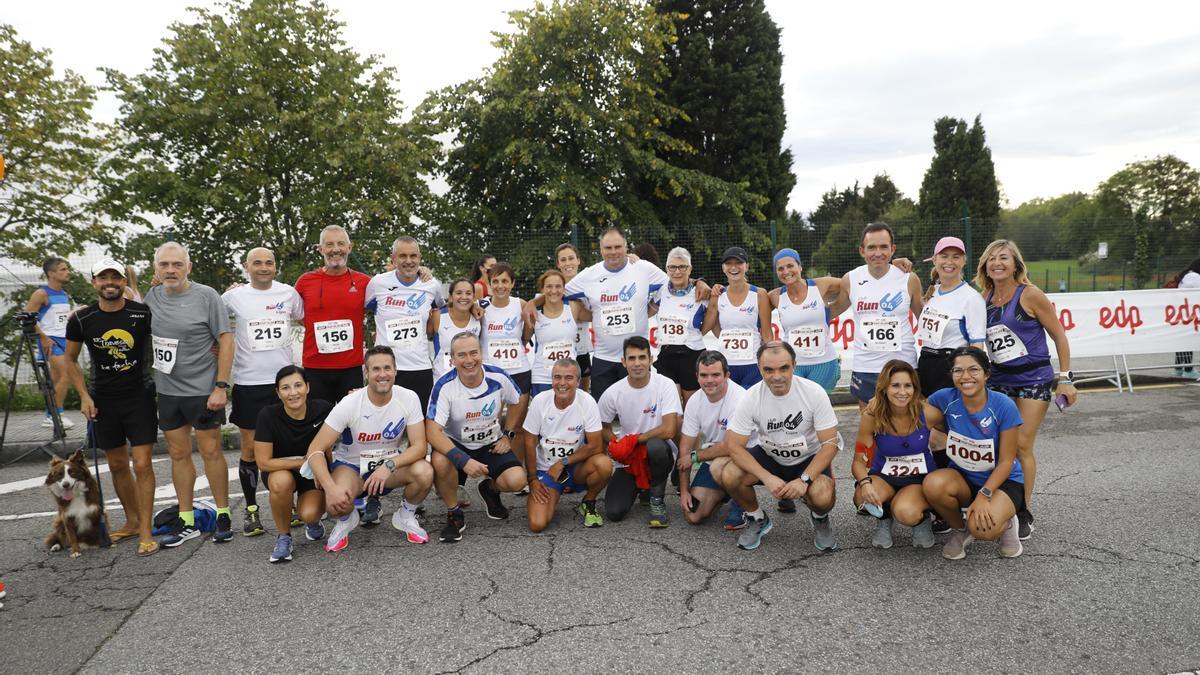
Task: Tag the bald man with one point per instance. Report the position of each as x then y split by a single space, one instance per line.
192 379
262 314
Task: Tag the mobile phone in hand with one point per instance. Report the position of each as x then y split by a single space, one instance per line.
1061 402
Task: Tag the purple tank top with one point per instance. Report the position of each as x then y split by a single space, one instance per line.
1034 367
910 445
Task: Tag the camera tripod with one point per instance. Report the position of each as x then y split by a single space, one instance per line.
41 373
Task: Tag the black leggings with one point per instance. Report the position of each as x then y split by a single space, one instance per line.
622 489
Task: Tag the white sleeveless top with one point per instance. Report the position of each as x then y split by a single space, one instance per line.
679 319
554 340
739 338
441 341
503 345
882 331
805 326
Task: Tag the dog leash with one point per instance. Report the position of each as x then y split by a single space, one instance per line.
105 539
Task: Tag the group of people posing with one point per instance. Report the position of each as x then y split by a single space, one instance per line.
564 393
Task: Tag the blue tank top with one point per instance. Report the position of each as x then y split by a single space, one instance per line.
906 455
52 317
1032 368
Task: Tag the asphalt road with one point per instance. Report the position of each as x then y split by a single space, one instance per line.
1110 582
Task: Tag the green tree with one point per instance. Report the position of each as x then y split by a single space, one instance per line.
51 151
725 75
961 172
1160 195
569 128
1045 227
842 216
256 125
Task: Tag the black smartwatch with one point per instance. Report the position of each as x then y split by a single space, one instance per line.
509 434
221 384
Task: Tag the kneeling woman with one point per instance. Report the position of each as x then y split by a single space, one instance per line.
984 475
282 435
563 442
892 431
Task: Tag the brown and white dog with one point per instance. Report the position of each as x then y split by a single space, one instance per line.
80 511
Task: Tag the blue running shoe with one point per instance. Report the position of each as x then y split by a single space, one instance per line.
314 531
283 549
736 519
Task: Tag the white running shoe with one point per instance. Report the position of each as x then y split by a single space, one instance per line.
339 537
406 522
1010 542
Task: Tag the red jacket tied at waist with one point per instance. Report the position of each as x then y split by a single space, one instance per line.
632 454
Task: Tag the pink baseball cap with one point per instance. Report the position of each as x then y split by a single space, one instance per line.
945 243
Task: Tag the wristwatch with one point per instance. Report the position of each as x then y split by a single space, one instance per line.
221 384
509 434
804 478
986 492
1066 375
389 464
695 456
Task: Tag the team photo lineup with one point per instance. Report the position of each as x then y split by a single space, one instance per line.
463 392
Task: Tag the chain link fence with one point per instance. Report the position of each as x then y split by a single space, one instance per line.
1104 256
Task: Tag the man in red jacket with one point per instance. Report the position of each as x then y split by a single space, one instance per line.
334 299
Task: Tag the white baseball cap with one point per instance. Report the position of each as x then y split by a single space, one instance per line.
108 264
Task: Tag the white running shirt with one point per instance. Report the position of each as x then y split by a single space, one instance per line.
402 315
560 432
639 410
366 428
702 417
787 425
471 415
446 331
954 318
882 331
554 339
262 330
805 326
618 301
501 337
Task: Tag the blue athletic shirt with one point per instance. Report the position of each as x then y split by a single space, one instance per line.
977 446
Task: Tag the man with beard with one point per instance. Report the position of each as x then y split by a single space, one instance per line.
117 333
334 300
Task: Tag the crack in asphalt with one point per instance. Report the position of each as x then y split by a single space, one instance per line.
1065 476
539 633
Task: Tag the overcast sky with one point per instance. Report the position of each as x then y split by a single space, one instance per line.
1069 91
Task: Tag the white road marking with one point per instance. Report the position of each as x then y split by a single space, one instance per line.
110 505
28 483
